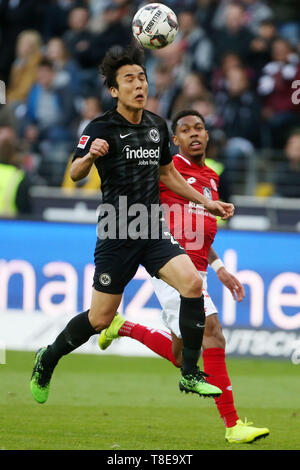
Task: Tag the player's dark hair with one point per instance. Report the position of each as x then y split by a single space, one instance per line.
115 58
183 113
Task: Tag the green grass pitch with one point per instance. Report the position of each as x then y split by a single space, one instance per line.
120 403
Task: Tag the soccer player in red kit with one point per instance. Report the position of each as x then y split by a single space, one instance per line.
192 137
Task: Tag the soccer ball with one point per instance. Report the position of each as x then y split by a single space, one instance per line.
155 26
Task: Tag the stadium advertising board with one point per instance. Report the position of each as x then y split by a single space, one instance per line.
46 272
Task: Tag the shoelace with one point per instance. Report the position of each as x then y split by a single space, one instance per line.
246 423
44 377
199 375
43 374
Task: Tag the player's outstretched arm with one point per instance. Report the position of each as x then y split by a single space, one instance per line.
81 167
175 181
229 280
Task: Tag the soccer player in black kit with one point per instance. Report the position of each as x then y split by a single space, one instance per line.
130 148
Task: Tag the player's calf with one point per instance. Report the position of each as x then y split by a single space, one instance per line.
213 334
191 324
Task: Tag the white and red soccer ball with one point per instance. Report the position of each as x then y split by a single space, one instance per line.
155 26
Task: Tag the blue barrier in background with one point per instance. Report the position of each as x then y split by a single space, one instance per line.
49 267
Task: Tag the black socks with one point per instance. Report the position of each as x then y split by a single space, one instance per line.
79 330
76 333
192 325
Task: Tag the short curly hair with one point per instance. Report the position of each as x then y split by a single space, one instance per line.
183 113
115 58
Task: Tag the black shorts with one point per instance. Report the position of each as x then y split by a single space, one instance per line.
117 261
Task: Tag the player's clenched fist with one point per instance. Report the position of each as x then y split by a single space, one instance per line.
228 208
99 148
225 210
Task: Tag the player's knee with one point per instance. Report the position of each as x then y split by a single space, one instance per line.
99 322
192 286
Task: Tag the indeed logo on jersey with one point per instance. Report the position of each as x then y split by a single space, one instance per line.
145 156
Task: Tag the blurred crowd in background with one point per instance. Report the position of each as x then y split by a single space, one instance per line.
237 62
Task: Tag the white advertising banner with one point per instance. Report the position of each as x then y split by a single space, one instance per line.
28 331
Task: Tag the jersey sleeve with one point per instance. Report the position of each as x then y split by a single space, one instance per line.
179 164
165 192
166 156
90 133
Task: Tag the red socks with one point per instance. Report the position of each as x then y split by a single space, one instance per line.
159 341
214 365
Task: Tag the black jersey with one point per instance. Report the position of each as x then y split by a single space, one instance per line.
131 166
130 169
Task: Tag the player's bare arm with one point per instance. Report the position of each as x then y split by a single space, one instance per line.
175 181
228 280
81 167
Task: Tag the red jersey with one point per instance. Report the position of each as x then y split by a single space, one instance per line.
206 181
